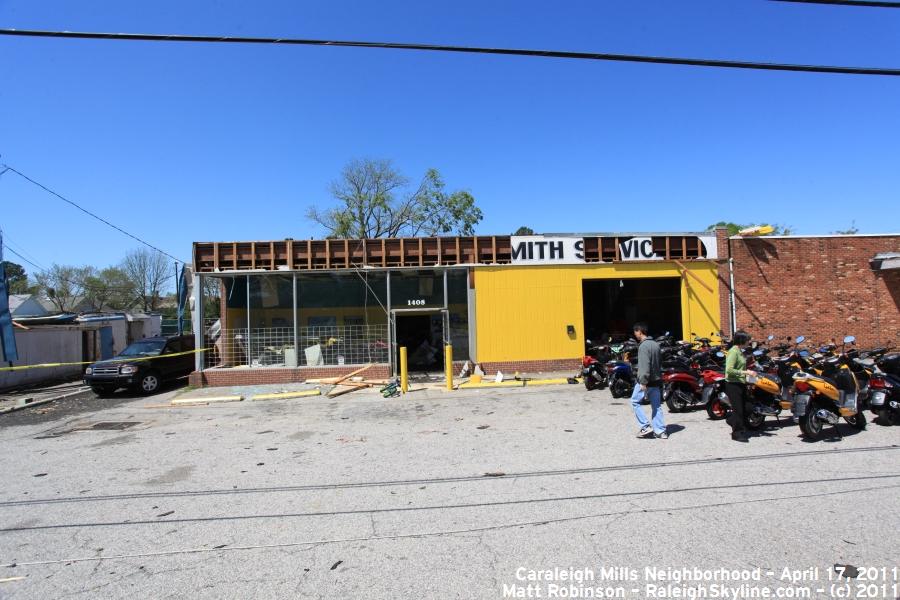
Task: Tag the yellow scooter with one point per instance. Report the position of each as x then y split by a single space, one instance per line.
826 398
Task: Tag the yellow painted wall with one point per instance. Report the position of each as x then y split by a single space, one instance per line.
522 312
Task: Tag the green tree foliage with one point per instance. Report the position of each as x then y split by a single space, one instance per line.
734 228
374 200
109 289
523 230
17 279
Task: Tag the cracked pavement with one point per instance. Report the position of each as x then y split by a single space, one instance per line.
367 497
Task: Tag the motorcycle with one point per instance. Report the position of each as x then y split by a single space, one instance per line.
593 366
683 382
620 372
826 398
884 388
763 390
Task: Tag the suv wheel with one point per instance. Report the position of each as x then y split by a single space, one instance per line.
149 383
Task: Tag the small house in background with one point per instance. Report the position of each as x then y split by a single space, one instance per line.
26 305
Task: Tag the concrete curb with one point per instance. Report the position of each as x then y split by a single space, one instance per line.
16 407
514 383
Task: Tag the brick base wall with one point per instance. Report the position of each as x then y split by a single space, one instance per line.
223 377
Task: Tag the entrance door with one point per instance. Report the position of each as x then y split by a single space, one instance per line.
612 306
106 343
423 332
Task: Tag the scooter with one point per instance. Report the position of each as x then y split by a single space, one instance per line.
620 372
683 382
593 366
884 388
826 398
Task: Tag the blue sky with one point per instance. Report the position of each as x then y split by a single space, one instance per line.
184 142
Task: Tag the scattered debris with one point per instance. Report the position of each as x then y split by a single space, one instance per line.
482 427
569 430
220 546
40 475
335 565
166 514
8 579
494 474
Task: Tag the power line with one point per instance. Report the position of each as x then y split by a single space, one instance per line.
696 62
87 212
865 3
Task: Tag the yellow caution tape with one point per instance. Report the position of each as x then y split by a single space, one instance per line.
109 360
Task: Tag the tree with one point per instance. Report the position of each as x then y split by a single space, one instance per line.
148 271
734 228
16 278
109 289
852 230
63 285
374 201
523 230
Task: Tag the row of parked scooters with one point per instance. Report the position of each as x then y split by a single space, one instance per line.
819 384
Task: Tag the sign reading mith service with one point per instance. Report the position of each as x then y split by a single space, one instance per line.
569 250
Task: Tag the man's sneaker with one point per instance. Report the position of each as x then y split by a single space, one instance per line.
645 431
662 435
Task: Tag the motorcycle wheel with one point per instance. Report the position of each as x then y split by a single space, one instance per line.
676 401
716 410
619 388
589 382
810 425
753 420
857 421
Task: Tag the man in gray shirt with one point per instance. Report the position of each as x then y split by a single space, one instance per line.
649 382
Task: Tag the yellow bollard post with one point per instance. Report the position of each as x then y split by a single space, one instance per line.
404 372
448 366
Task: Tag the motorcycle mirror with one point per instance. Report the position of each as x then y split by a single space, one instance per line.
588 342
757 353
800 338
720 354
849 339
770 338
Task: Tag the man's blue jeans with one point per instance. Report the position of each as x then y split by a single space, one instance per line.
655 397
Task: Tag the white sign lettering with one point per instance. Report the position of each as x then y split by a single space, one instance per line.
540 250
638 248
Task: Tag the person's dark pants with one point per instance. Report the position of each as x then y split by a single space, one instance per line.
737 394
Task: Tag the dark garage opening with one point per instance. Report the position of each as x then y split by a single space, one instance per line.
612 306
422 336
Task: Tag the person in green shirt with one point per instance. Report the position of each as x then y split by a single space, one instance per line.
736 385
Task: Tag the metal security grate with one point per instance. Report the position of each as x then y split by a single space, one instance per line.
277 346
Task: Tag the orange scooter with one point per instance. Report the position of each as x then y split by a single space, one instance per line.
825 399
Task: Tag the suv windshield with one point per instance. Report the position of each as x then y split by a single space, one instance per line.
144 348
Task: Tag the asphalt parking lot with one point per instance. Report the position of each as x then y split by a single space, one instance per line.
465 494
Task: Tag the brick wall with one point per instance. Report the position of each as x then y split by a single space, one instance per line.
222 377
820 287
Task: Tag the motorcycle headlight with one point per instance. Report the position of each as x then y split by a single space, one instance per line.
88 371
128 370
